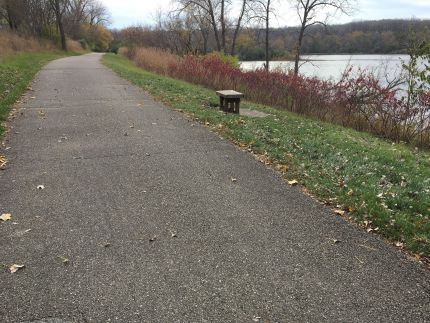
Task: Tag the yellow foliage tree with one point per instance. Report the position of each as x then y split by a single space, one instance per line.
98 37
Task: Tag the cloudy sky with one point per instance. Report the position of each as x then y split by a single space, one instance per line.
132 12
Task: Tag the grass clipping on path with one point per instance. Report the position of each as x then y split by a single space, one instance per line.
384 187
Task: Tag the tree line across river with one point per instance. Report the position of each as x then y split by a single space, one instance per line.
364 37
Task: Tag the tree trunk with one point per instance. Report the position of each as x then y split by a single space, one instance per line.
59 17
10 20
205 42
298 49
267 34
214 26
236 31
223 31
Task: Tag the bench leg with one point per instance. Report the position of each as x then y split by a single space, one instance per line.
229 105
221 103
236 104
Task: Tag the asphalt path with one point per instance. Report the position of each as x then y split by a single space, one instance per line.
140 221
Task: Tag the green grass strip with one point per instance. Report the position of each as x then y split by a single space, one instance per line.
384 186
16 72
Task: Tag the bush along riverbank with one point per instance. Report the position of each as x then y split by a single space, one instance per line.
382 186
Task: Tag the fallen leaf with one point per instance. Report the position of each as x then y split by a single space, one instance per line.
107 245
293 182
367 222
40 187
350 193
335 241
234 180
153 239
5 217
14 268
399 244
3 161
339 212
282 168
64 260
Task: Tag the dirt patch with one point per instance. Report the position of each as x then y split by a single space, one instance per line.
253 113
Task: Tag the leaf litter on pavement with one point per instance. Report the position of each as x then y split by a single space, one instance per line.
5 217
15 267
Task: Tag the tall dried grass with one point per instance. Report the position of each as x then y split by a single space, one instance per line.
123 51
11 43
153 59
75 46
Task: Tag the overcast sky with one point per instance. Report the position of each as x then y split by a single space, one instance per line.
133 12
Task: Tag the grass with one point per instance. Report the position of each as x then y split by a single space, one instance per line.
16 72
385 187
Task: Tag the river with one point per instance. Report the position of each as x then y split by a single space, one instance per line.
332 66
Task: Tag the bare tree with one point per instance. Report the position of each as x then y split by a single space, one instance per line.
216 13
210 9
60 7
243 11
97 13
262 11
12 12
203 24
80 12
309 12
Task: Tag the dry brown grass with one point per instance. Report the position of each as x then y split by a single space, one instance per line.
11 43
75 46
123 51
153 59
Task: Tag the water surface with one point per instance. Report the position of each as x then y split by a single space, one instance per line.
332 66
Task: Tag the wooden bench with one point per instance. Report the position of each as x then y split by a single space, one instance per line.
229 100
